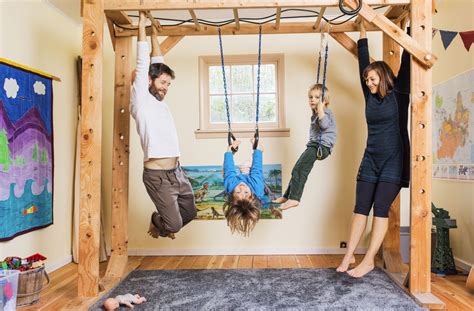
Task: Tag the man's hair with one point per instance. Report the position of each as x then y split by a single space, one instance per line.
242 215
157 69
386 76
318 87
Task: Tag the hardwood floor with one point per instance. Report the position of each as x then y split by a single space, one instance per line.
63 288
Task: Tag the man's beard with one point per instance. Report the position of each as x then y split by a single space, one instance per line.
156 93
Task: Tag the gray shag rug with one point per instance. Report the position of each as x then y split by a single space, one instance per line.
262 289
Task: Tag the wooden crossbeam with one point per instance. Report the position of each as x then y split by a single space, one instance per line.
169 43
277 20
236 18
155 22
245 29
346 42
320 16
395 11
196 22
111 27
422 54
134 5
119 17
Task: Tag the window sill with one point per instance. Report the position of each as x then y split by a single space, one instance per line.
280 132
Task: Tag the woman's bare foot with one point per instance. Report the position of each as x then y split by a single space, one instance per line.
362 269
346 262
280 200
289 204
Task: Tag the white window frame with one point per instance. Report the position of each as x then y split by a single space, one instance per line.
209 130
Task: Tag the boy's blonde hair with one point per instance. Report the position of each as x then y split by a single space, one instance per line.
318 87
242 215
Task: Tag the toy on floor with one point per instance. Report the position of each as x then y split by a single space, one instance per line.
127 299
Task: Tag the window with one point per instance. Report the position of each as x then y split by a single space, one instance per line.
241 81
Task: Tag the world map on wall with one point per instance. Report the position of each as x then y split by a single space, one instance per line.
453 132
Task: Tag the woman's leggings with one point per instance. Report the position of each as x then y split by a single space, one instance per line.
380 195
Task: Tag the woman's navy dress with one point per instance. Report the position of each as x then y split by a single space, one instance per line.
387 154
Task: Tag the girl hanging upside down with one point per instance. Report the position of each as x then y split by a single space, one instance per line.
244 192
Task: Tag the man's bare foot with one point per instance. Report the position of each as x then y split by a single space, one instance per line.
289 204
153 231
280 200
362 269
346 262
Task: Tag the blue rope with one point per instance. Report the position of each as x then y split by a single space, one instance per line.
319 64
258 75
224 80
230 136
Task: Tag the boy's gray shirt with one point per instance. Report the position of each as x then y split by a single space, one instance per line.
327 127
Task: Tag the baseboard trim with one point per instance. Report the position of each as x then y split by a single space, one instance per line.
463 265
239 251
58 264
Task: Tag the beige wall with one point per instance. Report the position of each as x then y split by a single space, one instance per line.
36 34
455 196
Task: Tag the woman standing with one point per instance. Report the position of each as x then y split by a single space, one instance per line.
385 164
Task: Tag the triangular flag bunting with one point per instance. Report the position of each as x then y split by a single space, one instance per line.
434 31
447 37
467 38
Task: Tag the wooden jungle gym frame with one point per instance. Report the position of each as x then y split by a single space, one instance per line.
115 13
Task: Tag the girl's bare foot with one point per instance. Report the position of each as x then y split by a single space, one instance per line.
362 269
289 204
346 262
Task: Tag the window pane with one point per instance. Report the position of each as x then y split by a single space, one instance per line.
242 79
218 112
243 109
268 108
267 78
216 86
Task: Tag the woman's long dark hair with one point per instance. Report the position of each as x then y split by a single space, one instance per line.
387 78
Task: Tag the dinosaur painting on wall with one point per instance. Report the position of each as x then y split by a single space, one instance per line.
208 187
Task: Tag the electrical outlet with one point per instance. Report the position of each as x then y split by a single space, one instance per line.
343 244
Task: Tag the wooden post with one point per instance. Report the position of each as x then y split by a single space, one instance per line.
420 191
169 43
391 244
91 135
120 158
346 42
